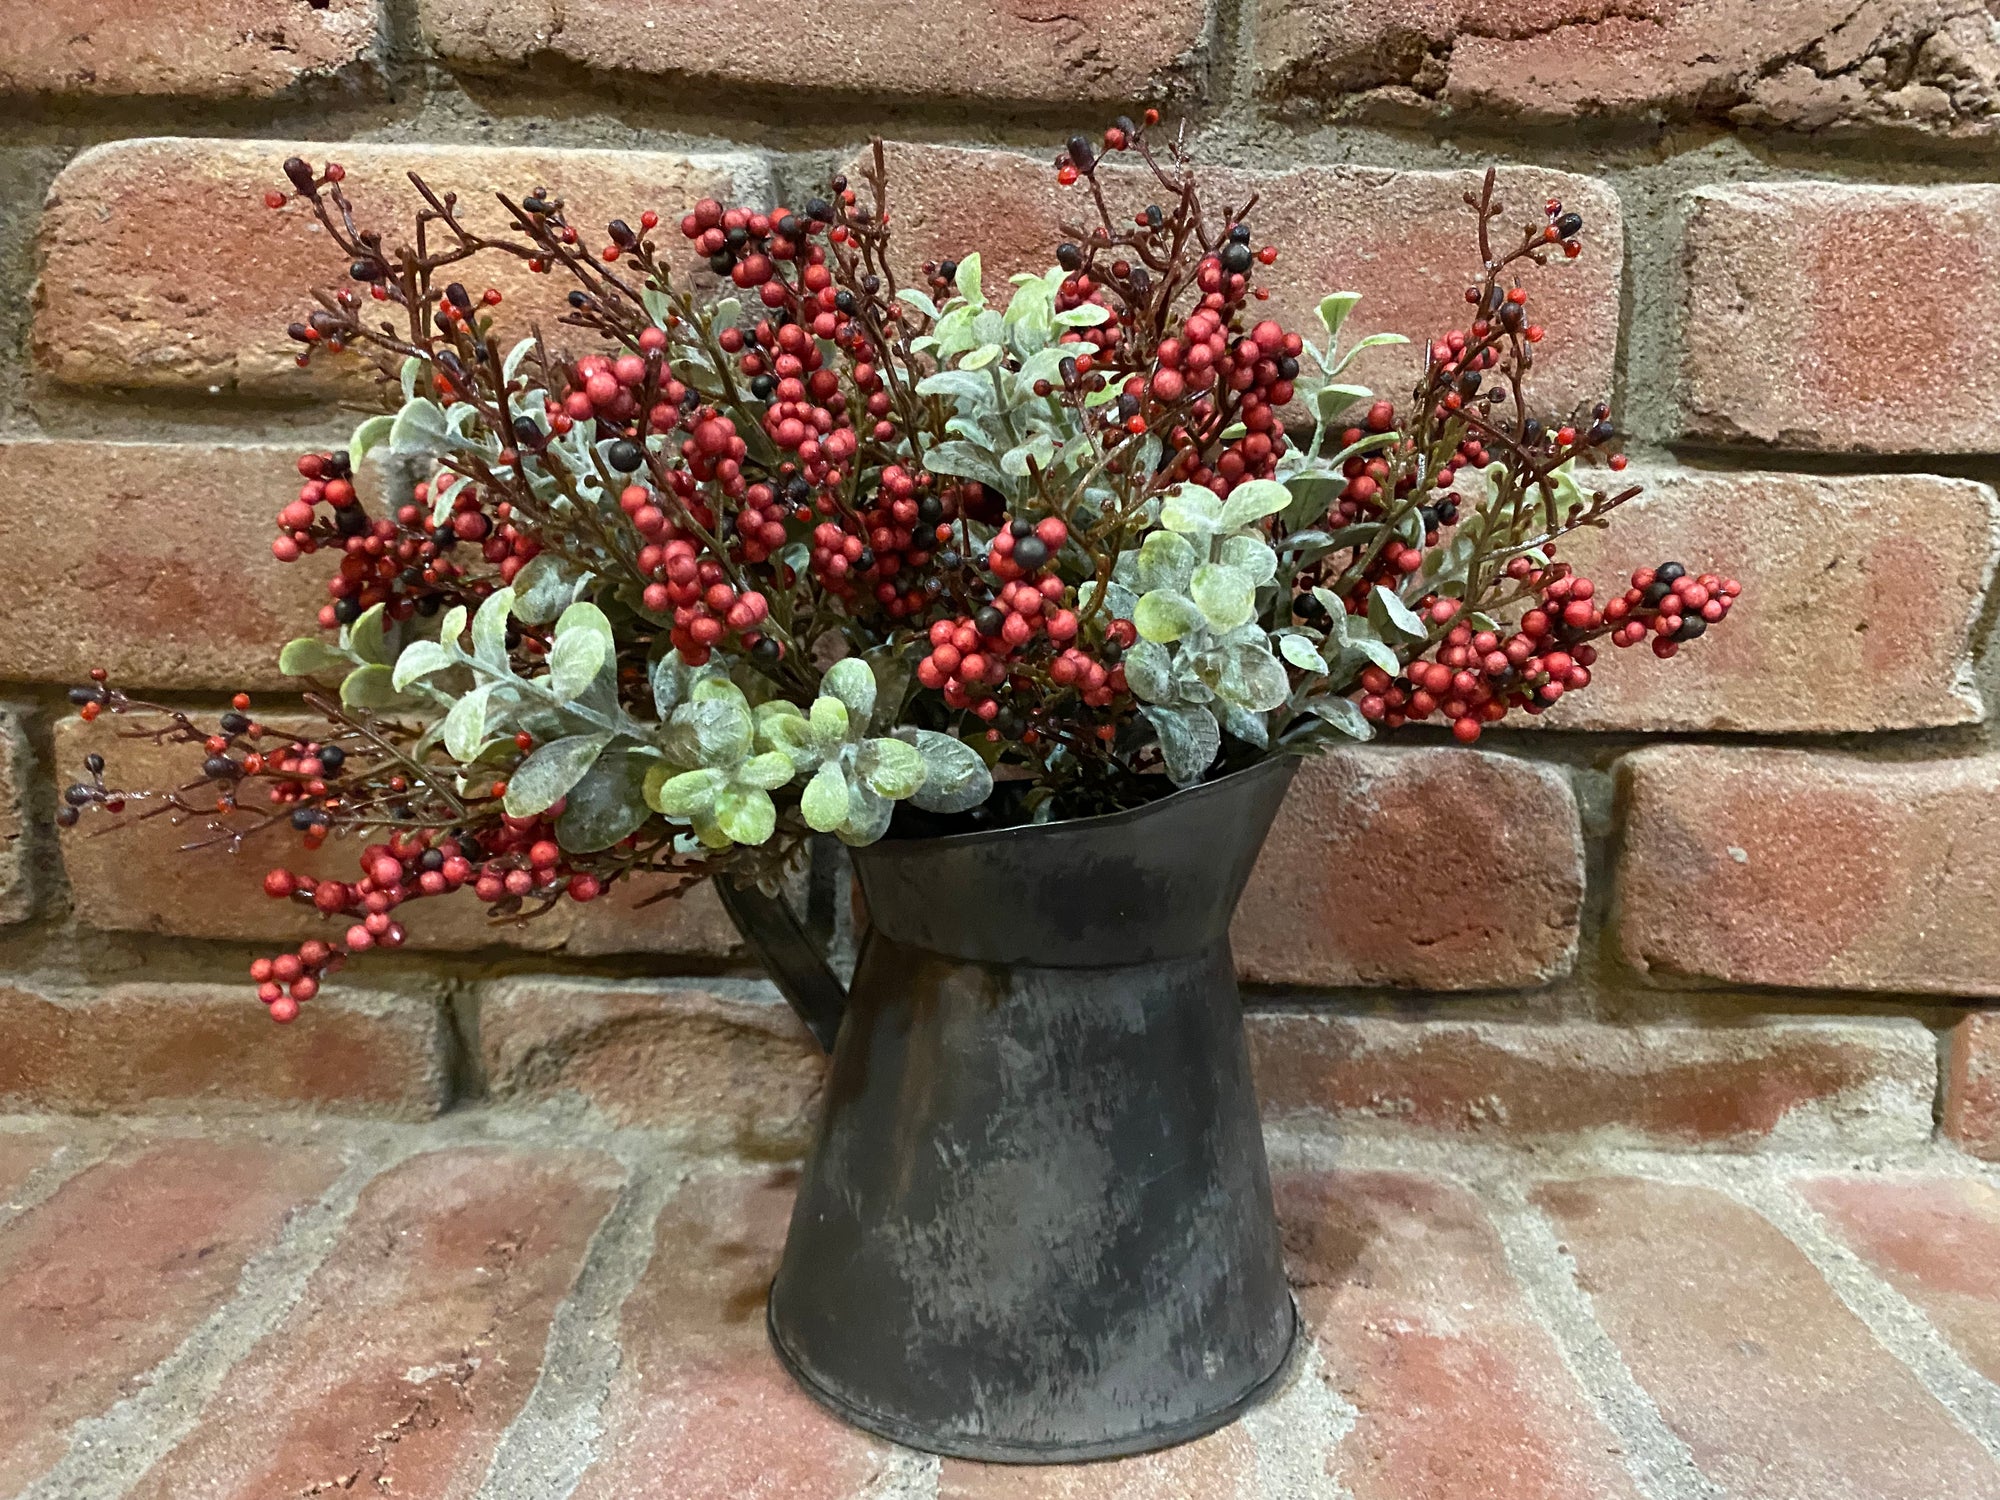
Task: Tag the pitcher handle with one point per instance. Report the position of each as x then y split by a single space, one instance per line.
789 955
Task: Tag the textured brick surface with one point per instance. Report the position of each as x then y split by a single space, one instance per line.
699 1395
1860 599
1098 49
126 299
1405 240
137 878
1791 868
1221 1466
1855 1084
1460 1393
1775 1387
17 895
415 1343
21 1156
104 1279
150 1046
1936 1240
203 49
153 561
728 1068
1923 66
1437 868
1821 316
1972 1085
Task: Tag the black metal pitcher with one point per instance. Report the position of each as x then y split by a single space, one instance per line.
1036 1224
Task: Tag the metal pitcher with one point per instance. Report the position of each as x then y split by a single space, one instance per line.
1036 1223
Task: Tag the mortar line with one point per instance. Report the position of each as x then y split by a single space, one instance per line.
71 1160
109 1453
553 1440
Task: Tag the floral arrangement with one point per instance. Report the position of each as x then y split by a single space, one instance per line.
785 544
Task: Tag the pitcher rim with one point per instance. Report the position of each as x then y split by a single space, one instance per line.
885 847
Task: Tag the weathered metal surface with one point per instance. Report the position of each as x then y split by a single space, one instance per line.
1036 1224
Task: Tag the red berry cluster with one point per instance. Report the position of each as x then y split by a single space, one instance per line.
1681 607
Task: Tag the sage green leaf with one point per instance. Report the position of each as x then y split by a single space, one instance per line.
746 814
851 681
1295 649
465 725
418 659
419 429
1252 554
1166 560
889 768
1388 612
544 587
1373 341
1247 727
550 770
1149 671
1333 399
370 686
1192 510
1166 616
824 805
1190 739
452 631
867 818
370 435
830 723
1226 596
1253 679
489 630
1342 715
308 657
769 771
962 460
789 734
684 795
1333 311
711 732
575 662
608 804
955 778
967 279
1251 501
981 357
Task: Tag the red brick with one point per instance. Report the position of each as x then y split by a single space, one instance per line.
21 1156
1221 1466
1922 66
1972 1086
1791 868
1860 598
1010 53
1862 1084
1936 1240
1788 327
135 879
159 568
416 1342
17 896
1460 1393
1775 1387
1436 868
1403 239
699 1395
105 1279
203 49
728 1068
126 297
149 1046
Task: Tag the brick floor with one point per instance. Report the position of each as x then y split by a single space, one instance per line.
494 1306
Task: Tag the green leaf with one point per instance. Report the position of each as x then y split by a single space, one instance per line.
1164 616
829 724
867 817
364 636
1226 596
368 687
452 630
769 771
1373 341
1252 555
955 778
824 805
307 657
608 804
544 587
851 681
574 664
370 435
981 357
1149 671
686 795
465 725
1251 501
419 659
548 773
961 460
746 814
1333 311
1342 715
710 732
1295 649
1083 315
1388 612
1334 399
1191 510
419 429
1190 739
1165 560
1253 679
919 301
489 629
967 282
889 768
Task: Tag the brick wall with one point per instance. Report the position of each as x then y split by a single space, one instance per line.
1752 897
